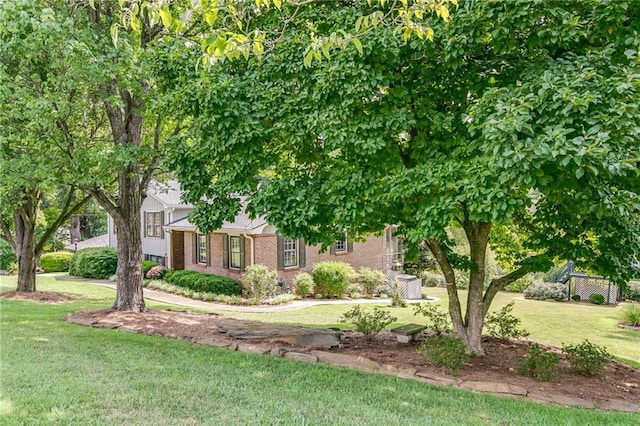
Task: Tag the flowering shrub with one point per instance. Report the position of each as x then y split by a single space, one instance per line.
156 272
542 291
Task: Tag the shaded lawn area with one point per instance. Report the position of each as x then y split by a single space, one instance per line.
56 373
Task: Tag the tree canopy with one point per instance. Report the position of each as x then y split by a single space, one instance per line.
523 115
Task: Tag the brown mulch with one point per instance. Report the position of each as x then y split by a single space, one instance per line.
619 381
37 296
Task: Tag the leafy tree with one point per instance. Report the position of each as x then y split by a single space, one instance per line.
511 100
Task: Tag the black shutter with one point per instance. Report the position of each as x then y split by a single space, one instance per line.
241 253
280 253
162 225
144 224
194 248
225 251
208 247
302 253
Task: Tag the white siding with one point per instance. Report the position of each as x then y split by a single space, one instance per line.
113 241
153 246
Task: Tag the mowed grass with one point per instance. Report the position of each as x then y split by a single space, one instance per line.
52 372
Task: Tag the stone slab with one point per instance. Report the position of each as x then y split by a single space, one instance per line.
621 405
560 399
436 379
212 341
315 340
250 348
301 356
350 361
494 387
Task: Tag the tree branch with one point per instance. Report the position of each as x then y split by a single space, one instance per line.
65 213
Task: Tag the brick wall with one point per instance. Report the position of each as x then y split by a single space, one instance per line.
370 254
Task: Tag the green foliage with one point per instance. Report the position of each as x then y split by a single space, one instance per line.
543 291
586 358
630 315
438 320
56 262
632 291
446 352
303 284
431 279
7 255
94 263
146 265
539 364
367 323
576 297
370 280
504 325
156 272
331 278
596 299
259 282
199 282
519 285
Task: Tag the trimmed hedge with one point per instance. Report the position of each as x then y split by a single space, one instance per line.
94 263
199 282
332 278
58 261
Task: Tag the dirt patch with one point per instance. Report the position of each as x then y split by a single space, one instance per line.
619 381
37 296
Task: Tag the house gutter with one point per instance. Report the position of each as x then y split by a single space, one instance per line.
252 246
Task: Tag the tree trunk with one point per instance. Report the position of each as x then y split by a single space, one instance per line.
25 228
129 295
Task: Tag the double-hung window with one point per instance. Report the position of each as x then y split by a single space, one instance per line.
153 224
201 248
290 253
235 258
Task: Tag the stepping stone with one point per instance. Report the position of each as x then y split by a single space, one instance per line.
212 341
349 361
300 356
494 387
436 379
621 405
567 401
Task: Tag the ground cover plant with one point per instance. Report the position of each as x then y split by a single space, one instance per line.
630 315
81 375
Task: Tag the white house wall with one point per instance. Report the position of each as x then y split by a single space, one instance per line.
153 246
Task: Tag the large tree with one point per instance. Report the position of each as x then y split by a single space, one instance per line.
520 115
37 194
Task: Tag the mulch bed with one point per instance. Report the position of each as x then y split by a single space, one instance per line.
37 296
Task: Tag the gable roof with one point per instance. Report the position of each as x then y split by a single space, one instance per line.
168 193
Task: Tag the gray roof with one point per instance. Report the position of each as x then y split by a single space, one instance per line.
242 222
168 193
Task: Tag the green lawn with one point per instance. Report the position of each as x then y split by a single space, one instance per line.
56 373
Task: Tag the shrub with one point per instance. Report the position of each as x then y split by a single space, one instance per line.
147 265
7 255
630 315
543 291
156 272
539 364
504 325
354 290
370 280
331 278
576 298
431 279
94 262
207 283
596 299
586 358
303 284
258 282
282 298
446 352
368 323
519 285
438 320
632 292
462 279
58 261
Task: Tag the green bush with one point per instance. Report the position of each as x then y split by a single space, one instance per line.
576 298
156 272
438 320
100 262
544 290
258 282
199 282
7 255
503 325
303 284
539 364
58 261
147 265
446 352
431 279
331 278
519 285
368 323
596 299
632 292
370 280
630 315
586 358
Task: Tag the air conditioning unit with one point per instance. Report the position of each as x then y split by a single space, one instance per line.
409 286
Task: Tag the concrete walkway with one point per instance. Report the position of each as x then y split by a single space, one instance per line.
295 305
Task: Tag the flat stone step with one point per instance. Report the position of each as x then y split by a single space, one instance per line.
408 332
